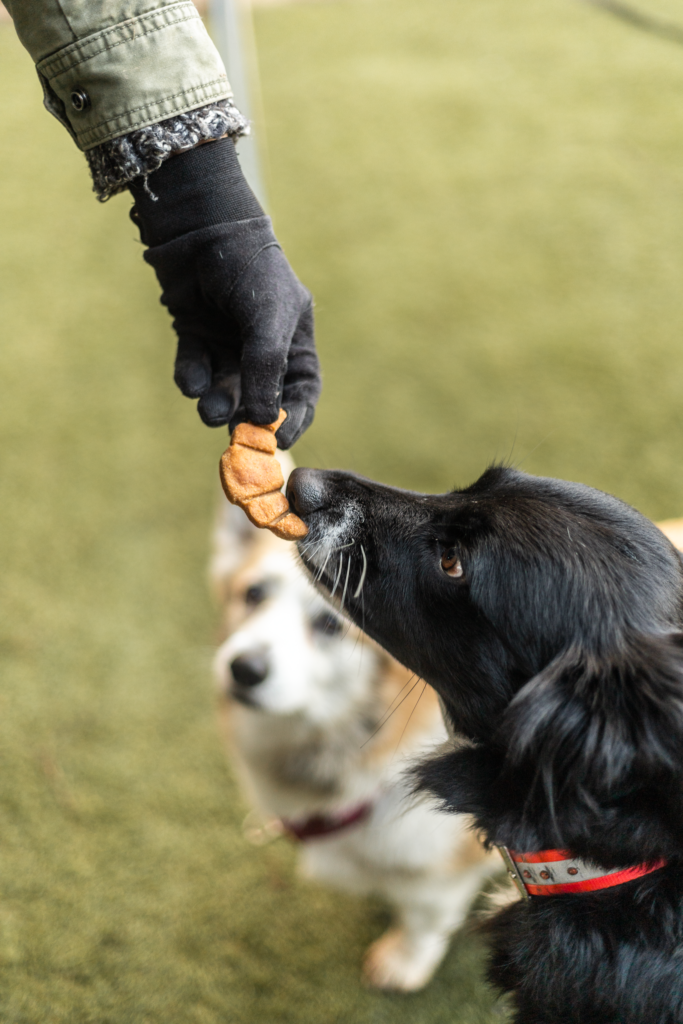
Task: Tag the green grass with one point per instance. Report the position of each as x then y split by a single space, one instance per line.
486 200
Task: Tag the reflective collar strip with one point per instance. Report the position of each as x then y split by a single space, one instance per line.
555 872
327 824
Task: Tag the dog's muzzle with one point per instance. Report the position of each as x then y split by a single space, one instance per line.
557 872
307 491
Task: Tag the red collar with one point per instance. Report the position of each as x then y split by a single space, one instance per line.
326 824
555 872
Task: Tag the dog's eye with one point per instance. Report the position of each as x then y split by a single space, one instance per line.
450 563
328 624
255 595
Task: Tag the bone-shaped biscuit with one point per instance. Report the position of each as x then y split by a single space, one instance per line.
252 478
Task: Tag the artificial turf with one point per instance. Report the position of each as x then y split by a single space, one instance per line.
486 201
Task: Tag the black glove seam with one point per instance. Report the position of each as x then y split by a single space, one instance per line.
269 245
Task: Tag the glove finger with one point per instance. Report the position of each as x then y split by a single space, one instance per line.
303 379
264 363
268 328
299 418
218 404
192 372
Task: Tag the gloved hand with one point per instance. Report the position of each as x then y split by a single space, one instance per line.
243 319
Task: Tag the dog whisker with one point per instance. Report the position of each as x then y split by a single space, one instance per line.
359 588
412 711
387 715
362 608
329 550
319 575
388 711
338 576
359 640
310 550
346 582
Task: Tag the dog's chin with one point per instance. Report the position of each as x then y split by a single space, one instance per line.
333 585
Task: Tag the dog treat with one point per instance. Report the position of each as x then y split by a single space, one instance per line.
252 478
265 510
249 474
289 527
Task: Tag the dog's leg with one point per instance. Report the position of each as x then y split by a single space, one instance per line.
429 911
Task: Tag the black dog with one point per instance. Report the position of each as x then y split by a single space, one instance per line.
548 617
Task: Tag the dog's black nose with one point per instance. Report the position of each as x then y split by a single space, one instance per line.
250 668
306 491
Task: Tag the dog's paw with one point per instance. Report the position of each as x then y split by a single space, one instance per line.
403 963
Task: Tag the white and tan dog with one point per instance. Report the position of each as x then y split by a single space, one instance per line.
322 726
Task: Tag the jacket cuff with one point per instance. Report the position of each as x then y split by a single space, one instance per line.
138 72
116 163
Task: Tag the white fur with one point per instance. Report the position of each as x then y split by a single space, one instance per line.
340 555
318 696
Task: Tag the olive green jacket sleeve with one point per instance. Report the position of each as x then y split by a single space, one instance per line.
111 67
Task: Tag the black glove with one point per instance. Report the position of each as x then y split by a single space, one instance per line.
243 319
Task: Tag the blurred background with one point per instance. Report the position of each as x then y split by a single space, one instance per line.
486 201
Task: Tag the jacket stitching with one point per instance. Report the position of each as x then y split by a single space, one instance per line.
45 66
153 103
190 16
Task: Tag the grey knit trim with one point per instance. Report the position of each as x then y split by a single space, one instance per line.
113 164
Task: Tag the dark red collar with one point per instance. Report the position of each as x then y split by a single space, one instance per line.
557 872
327 824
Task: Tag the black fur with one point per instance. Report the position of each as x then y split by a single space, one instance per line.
559 654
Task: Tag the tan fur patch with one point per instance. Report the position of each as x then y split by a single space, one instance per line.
503 895
471 852
408 707
235 610
673 529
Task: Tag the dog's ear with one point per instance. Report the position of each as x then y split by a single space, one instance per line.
232 540
234 536
592 730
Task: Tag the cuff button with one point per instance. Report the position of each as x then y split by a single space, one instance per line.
79 99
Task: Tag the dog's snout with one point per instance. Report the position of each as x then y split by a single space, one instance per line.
306 491
250 668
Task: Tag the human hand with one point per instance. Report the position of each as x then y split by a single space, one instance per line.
244 321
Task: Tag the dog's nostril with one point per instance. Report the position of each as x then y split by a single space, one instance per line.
250 669
306 491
